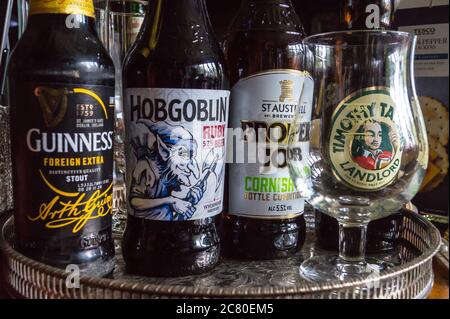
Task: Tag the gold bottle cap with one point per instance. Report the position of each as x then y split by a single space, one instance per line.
84 7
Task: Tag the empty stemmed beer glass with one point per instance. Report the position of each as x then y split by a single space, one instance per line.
368 149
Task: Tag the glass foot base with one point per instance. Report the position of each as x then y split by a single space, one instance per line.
323 269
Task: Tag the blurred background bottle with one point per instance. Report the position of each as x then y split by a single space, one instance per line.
368 14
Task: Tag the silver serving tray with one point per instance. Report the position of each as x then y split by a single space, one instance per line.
411 277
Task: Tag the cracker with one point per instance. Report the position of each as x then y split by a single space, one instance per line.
433 155
441 160
436 118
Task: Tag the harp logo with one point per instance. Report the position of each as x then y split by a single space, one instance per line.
54 102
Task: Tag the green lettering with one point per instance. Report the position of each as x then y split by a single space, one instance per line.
359 174
255 184
248 184
389 113
263 185
272 185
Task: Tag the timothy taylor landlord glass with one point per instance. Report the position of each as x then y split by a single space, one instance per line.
368 151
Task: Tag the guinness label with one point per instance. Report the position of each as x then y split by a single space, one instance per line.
365 145
64 149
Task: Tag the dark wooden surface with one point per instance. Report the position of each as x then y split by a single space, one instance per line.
440 289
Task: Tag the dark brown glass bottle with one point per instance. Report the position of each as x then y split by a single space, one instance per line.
368 14
62 127
176 110
264 55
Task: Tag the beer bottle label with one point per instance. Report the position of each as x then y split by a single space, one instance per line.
64 150
263 107
84 7
175 152
365 145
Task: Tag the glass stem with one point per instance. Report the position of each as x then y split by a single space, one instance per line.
352 247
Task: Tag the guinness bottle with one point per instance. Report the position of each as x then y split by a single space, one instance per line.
62 124
176 112
264 55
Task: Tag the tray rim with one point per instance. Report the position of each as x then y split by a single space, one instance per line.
215 292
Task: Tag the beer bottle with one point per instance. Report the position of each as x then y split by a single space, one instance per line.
322 15
382 234
62 123
137 12
368 14
264 55
176 96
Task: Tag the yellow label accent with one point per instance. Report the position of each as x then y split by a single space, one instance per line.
156 23
53 188
95 96
84 7
73 209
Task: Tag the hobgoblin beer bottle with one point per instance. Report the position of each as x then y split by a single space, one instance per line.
382 234
264 55
62 123
176 112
